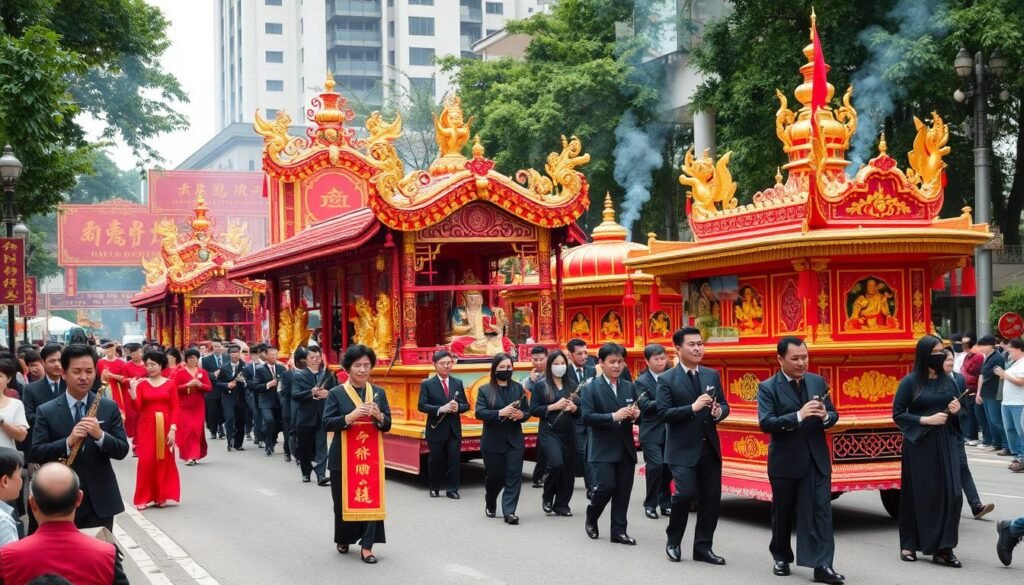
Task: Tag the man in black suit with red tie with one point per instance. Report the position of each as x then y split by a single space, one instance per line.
692 403
609 409
443 400
794 407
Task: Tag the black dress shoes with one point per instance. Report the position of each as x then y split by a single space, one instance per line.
623 539
512 519
323 480
674 554
546 506
666 512
591 531
287 458
651 513
709 557
452 495
828 575
780 569
590 493
1005 543
947 559
230 449
305 479
435 494
564 513
489 512
369 559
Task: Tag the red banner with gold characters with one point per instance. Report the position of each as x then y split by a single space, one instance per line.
238 194
31 306
70 280
362 468
107 234
12 271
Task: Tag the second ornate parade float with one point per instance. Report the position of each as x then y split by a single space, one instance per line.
462 257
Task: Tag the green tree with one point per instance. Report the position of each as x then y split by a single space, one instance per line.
64 59
1009 300
416 146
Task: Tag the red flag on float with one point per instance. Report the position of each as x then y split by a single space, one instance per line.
819 82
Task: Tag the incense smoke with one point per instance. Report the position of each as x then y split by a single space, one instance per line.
637 157
893 57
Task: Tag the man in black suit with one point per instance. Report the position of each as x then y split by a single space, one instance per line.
255 417
609 410
214 414
231 382
652 435
62 424
46 388
691 403
443 400
265 384
793 406
310 388
581 372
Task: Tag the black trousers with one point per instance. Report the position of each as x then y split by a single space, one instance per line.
613 483
308 450
443 463
503 471
271 418
806 502
704 482
966 479
560 454
214 415
657 476
287 438
254 420
541 467
235 411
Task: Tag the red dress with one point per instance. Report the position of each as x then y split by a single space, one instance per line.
157 476
118 392
191 438
131 370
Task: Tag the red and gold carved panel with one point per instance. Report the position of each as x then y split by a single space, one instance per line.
822 305
789 307
479 222
744 446
331 193
612 326
867 387
741 384
872 301
221 287
659 325
918 301
581 321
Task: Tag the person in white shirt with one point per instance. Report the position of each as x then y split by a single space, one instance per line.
959 355
1013 396
13 422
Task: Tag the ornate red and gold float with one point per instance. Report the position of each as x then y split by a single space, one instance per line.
845 263
409 263
187 297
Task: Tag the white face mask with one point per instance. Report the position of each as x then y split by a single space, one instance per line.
558 370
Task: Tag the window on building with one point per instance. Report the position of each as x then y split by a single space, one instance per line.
421 2
495 8
252 165
273 28
274 57
421 26
275 85
272 113
421 56
391 28
272 2
422 85
391 58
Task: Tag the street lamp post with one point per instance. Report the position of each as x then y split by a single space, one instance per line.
21 232
10 170
975 74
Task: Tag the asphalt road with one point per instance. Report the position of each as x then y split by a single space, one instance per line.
246 519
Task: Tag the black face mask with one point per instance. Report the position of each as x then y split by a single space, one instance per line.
503 375
958 347
937 362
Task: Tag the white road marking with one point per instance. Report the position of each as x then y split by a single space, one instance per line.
1002 496
172 550
266 492
142 560
465 571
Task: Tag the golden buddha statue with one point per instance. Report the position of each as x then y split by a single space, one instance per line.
478 330
748 312
451 131
659 324
580 327
611 326
872 309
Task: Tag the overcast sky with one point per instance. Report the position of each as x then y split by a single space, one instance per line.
190 58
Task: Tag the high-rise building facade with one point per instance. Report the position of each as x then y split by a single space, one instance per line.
273 54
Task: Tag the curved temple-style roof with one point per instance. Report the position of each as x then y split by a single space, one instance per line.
189 260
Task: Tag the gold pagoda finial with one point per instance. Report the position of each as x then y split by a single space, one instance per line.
609 210
329 82
609 229
882 146
814 22
778 175
478 149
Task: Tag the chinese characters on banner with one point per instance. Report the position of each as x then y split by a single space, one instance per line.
31 306
235 194
92 300
363 477
12 271
70 280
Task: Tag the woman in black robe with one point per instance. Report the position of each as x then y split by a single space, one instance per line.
925 409
340 413
556 407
